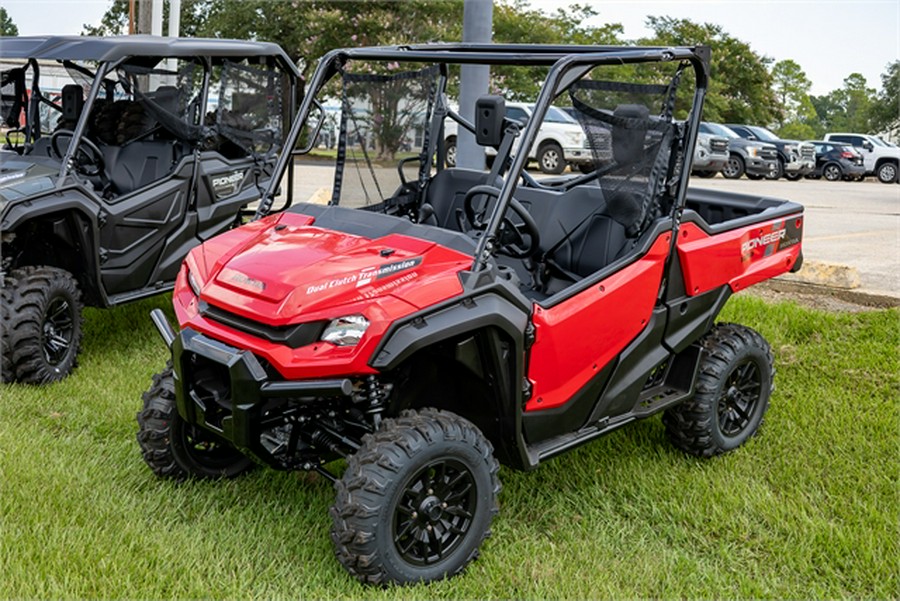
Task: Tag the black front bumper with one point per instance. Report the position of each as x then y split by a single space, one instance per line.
227 391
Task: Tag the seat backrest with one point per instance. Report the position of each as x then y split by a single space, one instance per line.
446 191
139 164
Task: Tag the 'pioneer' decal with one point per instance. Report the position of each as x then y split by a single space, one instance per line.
227 184
763 240
781 235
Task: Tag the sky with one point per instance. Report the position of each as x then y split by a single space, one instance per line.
830 39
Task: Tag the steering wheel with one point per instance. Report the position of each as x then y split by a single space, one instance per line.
517 240
88 158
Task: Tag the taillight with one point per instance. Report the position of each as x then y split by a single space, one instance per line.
847 155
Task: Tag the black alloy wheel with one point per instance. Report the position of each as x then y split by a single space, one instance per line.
40 325
176 449
435 512
731 395
416 500
739 399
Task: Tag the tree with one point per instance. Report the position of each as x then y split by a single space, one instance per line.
791 87
7 27
884 110
849 105
740 88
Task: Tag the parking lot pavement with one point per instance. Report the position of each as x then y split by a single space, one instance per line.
851 224
851 228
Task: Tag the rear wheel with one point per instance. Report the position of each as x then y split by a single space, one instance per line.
176 449
753 176
550 158
887 173
416 500
734 383
40 325
734 168
792 177
832 172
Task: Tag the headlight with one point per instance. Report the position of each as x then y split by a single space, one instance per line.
575 138
192 282
790 148
346 331
754 150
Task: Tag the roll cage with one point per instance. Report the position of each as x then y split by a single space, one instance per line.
567 65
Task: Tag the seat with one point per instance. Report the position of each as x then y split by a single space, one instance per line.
445 193
139 164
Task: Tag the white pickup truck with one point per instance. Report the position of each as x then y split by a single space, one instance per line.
561 141
880 158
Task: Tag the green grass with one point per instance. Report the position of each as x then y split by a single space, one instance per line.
809 509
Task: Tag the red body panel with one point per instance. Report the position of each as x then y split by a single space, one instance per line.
738 258
284 270
578 337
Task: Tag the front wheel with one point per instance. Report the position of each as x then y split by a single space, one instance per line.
40 325
450 152
550 158
175 449
778 172
734 168
887 173
416 500
734 383
792 177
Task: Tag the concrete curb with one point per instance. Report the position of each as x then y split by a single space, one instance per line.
831 275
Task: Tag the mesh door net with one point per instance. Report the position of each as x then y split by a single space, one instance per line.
384 129
634 141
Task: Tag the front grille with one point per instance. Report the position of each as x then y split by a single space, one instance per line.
808 152
718 145
293 336
768 154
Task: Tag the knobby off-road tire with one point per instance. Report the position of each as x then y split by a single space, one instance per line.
731 396
416 500
178 450
40 325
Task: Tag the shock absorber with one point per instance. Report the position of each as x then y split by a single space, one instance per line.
376 397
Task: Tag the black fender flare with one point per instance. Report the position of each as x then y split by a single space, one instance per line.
421 330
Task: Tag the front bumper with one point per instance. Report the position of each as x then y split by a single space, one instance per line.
708 161
757 166
578 155
227 391
800 167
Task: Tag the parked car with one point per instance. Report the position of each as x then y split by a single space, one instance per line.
138 168
795 159
427 329
880 158
755 159
561 140
710 154
836 161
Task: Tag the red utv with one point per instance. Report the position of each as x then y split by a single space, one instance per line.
427 320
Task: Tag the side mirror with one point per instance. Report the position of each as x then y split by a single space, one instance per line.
868 145
490 111
311 129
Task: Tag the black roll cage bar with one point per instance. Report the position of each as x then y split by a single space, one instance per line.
567 65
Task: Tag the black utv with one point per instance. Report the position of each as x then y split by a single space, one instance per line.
121 154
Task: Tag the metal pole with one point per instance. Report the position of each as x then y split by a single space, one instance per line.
474 80
156 18
174 18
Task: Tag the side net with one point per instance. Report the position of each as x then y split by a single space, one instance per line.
249 119
383 142
635 142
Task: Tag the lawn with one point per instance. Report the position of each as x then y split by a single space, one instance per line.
808 509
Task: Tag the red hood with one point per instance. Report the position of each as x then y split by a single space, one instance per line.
282 269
